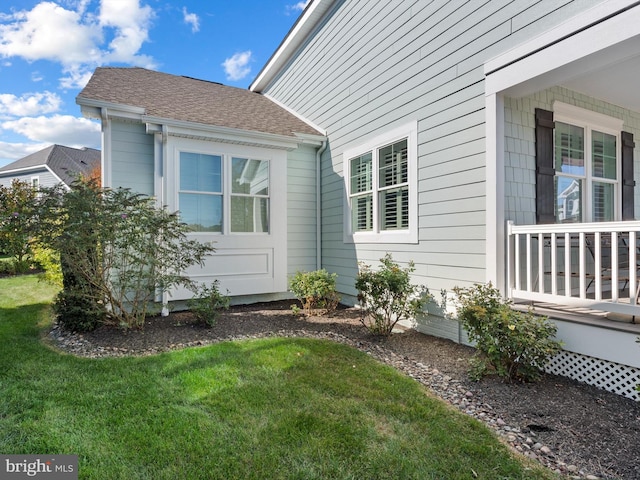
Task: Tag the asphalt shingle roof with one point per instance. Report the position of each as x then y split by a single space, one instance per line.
192 100
66 162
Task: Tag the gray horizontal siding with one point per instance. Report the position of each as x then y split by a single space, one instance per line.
45 178
301 210
377 65
132 157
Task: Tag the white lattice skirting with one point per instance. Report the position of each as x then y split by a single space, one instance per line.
613 377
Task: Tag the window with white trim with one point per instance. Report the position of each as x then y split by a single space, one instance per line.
587 166
223 193
382 188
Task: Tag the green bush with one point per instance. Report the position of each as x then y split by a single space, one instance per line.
118 248
387 296
49 261
316 290
208 303
512 344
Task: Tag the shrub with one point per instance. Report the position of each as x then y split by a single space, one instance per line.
49 261
208 303
18 222
387 296
118 249
512 344
316 290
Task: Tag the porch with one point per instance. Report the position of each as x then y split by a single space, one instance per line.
585 269
585 278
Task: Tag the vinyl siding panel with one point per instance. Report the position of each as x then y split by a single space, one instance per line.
45 177
132 157
301 210
373 66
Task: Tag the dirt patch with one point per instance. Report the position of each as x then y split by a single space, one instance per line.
572 428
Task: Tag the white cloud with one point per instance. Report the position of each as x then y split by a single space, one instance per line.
297 7
236 67
191 19
115 34
14 151
131 23
61 129
29 104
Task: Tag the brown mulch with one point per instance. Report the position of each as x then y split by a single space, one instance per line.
597 431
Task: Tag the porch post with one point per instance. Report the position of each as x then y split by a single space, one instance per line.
495 218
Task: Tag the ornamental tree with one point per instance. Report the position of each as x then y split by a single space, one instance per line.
18 222
119 252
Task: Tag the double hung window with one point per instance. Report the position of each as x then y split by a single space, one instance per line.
584 167
587 173
223 193
380 179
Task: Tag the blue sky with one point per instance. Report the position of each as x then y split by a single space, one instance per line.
48 50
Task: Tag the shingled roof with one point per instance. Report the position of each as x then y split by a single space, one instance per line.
65 162
191 100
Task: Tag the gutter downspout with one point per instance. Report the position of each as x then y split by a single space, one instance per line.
319 205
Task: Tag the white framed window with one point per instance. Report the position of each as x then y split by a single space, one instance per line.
381 186
587 162
35 183
223 193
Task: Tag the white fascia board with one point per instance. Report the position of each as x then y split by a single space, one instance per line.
22 170
598 28
56 176
93 109
223 134
311 16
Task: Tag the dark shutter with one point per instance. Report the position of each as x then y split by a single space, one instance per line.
628 183
545 172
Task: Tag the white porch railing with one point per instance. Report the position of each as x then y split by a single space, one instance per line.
592 265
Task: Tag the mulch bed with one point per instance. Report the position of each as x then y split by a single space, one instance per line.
586 432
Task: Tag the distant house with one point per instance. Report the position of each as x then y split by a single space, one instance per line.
53 165
443 132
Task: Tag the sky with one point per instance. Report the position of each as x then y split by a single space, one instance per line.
49 49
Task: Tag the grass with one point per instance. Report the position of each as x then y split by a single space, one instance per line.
271 408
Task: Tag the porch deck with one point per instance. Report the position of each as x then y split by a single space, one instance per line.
581 315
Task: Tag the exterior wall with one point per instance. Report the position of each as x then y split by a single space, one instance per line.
45 177
373 66
132 157
520 162
301 210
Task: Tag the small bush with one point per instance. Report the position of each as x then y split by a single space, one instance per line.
77 312
208 303
387 296
49 261
316 290
514 345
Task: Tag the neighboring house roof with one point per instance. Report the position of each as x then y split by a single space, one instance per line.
191 100
64 162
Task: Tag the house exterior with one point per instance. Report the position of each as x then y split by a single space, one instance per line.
53 165
238 167
485 141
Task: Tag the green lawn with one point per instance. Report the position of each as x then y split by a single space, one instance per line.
272 408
